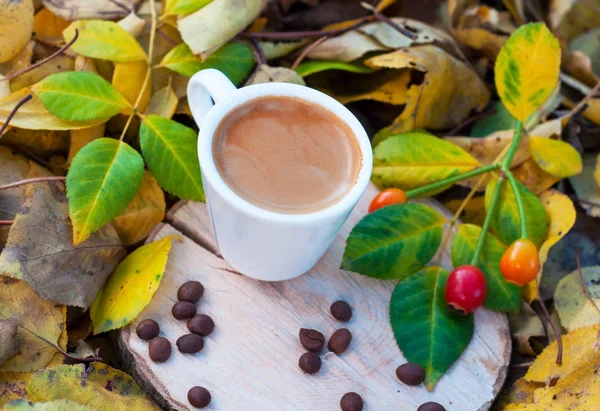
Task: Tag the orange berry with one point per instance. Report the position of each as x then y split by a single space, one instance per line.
520 262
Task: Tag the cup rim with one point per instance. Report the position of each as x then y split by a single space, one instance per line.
245 94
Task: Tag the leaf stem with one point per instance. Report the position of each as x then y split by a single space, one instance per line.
301 35
516 140
13 112
6 222
30 181
307 50
582 280
519 200
559 352
488 219
442 183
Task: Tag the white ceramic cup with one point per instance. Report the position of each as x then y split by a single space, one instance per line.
259 243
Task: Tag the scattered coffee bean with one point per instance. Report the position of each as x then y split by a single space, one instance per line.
309 362
190 291
201 324
199 397
159 349
312 340
410 373
147 329
190 343
431 406
340 340
341 311
183 310
351 401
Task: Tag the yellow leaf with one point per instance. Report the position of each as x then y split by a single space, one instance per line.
81 137
394 87
56 65
16 25
59 405
131 287
104 40
579 347
34 116
555 157
533 177
128 80
163 102
35 315
586 186
571 303
521 392
527 69
13 386
48 27
597 170
143 212
98 387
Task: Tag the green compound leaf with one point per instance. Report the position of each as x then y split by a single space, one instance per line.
501 295
394 242
104 177
79 96
307 68
527 69
104 40
415 159
426 331
235 60
171 153
506 222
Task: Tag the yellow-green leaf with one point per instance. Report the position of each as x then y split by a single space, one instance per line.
182 7
555 157
97 386
104 40
59 405
417 158
575 309
527 69
131 287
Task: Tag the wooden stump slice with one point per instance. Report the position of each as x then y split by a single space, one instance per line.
250 361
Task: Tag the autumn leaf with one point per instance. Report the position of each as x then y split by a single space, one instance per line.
555 157
81 10
55 268
59 405
9 345
163 103
575 309
16 25
267 74
183 7
128 80
48 27
586 186
89 386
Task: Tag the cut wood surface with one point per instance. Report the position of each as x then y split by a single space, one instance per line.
250 361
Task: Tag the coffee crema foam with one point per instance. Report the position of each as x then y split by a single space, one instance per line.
286 155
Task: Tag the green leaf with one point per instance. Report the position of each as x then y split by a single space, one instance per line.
183 7
527 69
426 331
506 222
79 96
393 242
104 40
171 153
235 60
104 177
500 120
415 159
555 157
501 295
307 68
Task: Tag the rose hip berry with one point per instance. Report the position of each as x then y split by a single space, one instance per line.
465 289
388 197
520 262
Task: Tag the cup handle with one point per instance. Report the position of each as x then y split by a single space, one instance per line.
205 87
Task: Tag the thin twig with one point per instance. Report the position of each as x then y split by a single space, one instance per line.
13 112
6 222
301 35
559 353
584 100
30 181
522 365
45 60
121 5
385 19
166 37
307 50
583 287
258 52
470 121
63 352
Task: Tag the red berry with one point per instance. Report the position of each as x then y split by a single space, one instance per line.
388 197
520 262
465 289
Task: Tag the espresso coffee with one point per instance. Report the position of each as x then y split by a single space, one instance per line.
286 155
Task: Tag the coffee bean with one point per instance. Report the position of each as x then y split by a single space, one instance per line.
341 311
201 324
431 406
190 291
340 340
190 343
351 401
147 329
159 349
309 362
410 373
183 310
312 340
199 397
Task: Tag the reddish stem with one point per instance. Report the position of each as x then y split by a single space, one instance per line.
13 112
583 287
555 331
300 35
258 52
6 222
30 181
307 50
